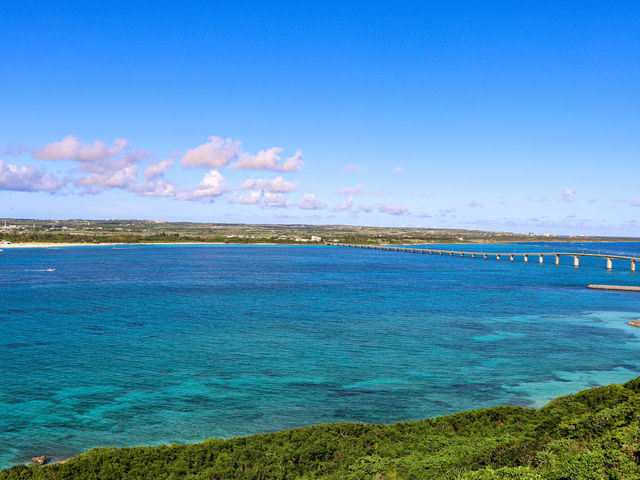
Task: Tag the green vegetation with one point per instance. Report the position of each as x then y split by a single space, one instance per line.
592 435
147 231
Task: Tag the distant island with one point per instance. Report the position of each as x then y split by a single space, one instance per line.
150 231
589 435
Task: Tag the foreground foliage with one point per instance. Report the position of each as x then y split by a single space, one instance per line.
592 435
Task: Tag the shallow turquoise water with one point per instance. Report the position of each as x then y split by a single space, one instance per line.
154 344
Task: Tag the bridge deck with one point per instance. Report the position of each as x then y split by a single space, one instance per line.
511 255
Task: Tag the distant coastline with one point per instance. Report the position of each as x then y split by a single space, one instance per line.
49 233
295 244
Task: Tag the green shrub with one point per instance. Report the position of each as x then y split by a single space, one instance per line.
594 434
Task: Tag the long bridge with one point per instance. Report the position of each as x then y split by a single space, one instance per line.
525 255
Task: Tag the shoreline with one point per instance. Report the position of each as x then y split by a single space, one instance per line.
118 244
298 244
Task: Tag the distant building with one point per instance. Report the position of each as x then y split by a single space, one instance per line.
315 238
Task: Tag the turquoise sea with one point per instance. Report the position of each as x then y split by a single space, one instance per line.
143 345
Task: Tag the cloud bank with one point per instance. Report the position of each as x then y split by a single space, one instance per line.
27 179
218 152
70 148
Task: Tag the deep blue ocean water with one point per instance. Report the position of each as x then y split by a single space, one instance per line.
154 344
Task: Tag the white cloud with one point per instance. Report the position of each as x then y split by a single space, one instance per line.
271 199
309 202
266 192
70 148
155 185
569 194
473 204
357 190
249 198
269 160
27 179
216 153
213 185
347 204
158 169
397 170
351 169
365 208
99 170
158 188
117 173
277 184
392 209
109 176
263 198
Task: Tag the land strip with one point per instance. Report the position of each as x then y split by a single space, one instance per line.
78 231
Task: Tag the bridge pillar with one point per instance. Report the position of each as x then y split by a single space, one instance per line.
576 261
609 264
526 258
633 265
557 259
540 260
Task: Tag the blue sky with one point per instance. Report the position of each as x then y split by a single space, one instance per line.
505 116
